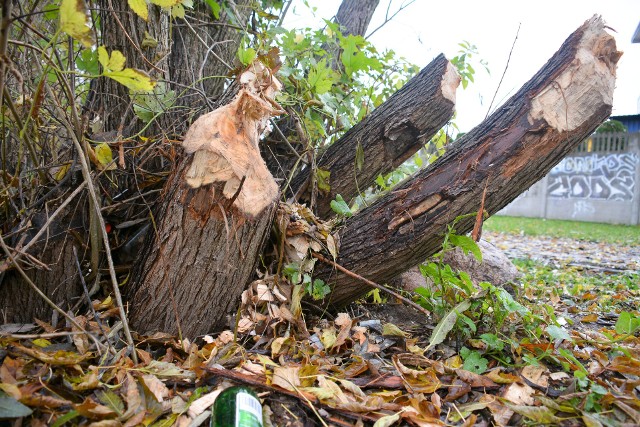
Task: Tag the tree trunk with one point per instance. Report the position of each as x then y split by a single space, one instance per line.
218 250
389 135
195 265
354 16
511 150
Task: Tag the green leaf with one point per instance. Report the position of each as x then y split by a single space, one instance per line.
318 289
51 11
321 77
215 8
359 156
87 62
140 8
64 419
246 55
11 408
446 324
340 207
474 362
558 333
492 341
149 105
323 177
467 244
133 79
75 21
627 323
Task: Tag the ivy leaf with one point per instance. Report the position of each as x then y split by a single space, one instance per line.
133 79
340 207
140 8
467 245
446 324
74 21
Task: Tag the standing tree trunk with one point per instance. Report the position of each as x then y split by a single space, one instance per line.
506 154
217 248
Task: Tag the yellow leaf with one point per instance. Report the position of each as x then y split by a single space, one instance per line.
177 11
74 20
133 79
103 154
140 8
103 57
41 342
116 61
166 3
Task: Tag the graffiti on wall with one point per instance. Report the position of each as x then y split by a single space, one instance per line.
596 176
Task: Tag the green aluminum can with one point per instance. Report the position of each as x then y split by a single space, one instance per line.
237 407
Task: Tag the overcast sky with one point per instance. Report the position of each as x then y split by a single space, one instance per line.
427 28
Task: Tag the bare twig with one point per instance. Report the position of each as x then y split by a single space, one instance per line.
506 67
388 18
372 284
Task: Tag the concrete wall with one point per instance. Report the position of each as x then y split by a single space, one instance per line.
599 182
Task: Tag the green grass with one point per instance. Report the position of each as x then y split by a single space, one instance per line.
591 231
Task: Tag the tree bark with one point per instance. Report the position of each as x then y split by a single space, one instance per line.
194 267
389 135
511 150
354 16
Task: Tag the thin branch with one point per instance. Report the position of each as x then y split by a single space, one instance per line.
388 18
372 284
506 67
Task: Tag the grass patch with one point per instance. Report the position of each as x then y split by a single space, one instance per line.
591 231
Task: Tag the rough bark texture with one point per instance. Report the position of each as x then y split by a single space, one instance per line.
354 16
18 302
516 146
196 266
391 134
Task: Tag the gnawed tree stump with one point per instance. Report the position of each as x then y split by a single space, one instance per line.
511 150
214 220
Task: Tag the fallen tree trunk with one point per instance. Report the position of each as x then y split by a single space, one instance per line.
511 150
390 135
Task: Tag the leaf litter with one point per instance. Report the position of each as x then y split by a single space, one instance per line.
565 350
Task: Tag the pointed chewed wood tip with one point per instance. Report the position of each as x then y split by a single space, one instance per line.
588 80
225 144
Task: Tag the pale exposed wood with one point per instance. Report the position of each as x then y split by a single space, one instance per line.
225 144
516 146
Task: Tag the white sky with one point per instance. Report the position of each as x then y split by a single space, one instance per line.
427 28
